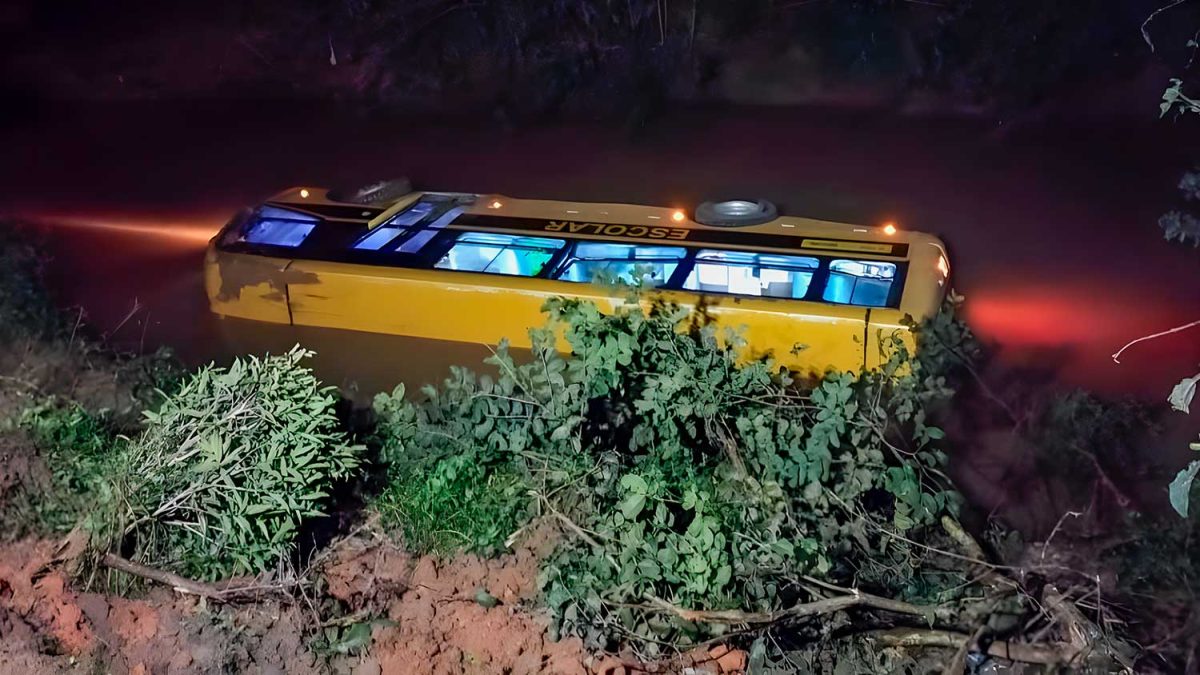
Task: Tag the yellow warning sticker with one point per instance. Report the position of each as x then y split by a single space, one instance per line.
857 246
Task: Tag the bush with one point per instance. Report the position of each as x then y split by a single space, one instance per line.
683 476
230 466
1183 226
453 503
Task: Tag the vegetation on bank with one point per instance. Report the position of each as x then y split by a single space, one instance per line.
682 478
1182 226
66 403
697 497
228 468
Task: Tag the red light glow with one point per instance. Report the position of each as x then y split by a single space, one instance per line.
192 232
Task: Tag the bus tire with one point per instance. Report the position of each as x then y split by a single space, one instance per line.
736 213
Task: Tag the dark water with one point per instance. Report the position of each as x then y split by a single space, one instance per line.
1051 227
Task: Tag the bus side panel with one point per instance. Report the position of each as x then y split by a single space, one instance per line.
806 337
885 329
418 303
247 286
483 309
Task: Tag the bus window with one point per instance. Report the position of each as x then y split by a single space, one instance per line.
654 263
418 240
279 227
397 224
860 282
500 254
747 273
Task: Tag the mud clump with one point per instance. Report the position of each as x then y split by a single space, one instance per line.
432 621
436 623
48 627
427 614
38 605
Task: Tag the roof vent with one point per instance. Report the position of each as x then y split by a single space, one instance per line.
736 213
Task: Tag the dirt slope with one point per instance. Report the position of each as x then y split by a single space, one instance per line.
434 623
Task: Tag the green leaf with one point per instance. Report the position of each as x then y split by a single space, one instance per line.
632 505
1181 396
561 433
354 638
634 483
1180 489
485 599
724 573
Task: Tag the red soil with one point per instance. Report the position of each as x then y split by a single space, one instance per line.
431 622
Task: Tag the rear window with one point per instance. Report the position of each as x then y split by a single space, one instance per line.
748 273
650 265
500 254
860 282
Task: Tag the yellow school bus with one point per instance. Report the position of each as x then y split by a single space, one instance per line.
477 268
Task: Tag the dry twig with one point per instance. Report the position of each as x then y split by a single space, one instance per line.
958 663
1049 653
220 592
852 598
1117 356
1146 37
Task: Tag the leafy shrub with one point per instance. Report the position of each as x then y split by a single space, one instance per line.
1183 226
230 465
1175 101
446 503
682 475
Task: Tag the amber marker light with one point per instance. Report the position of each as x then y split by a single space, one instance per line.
678 216
495 204
304 193
889 229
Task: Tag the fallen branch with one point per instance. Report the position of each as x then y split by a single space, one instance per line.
853 598
220 592
1080 632
1117 356
576 529
1153 15
958 662
973 551
1049 653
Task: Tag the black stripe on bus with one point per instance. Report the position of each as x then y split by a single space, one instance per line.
667 234
437 247
335 211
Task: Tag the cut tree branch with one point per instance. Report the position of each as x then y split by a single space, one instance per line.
1117 357
1153 15
853 598
221 592
1050 653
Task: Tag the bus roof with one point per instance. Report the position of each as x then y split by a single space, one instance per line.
625 221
